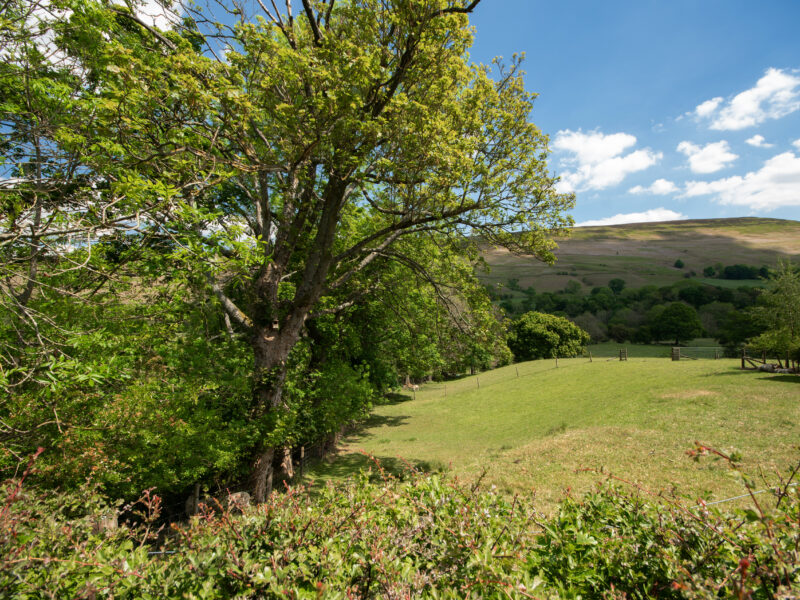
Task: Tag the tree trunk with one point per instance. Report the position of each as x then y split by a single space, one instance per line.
271 350
261 475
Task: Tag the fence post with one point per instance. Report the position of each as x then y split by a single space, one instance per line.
590 356
744 354
517 370
556 362
445 390
676 353
478 379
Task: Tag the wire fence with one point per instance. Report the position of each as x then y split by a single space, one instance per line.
749 494
696 352
601 353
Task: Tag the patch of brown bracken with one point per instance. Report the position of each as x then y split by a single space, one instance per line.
688 394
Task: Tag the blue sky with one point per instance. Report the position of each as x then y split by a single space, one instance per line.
660 110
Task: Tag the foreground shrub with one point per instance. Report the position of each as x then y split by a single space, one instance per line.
428 537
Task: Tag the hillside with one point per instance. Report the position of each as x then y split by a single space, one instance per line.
645 253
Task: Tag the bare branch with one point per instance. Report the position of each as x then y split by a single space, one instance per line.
313 22
230 307
154 32
459 10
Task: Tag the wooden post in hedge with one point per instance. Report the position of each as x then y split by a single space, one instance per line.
623 354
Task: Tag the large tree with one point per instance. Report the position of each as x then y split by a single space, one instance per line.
779 313
289 158
677 320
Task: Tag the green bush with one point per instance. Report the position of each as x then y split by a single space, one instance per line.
539 335
427 537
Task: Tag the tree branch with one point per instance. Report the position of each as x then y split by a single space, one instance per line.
313 22
230 308
407 222
459 10
144 25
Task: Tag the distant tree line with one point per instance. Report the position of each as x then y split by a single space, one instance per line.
676 313
736 272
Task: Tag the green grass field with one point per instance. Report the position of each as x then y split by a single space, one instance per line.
532 427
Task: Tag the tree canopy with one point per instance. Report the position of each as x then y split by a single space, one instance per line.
539 335
281 169
677 320
779 313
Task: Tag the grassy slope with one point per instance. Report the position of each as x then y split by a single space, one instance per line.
643 254
635 418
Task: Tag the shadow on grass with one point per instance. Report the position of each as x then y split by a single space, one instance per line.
374 421
344 466
393 398
781 378
762 376
731 371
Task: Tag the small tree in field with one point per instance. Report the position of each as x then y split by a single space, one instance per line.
616 285
539 335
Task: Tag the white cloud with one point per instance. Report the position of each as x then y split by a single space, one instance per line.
649 216
775 95
598 160
709 158
708 107
758 141
775 185
154 13
593 147
44 14
660 187
796 144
